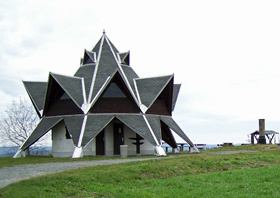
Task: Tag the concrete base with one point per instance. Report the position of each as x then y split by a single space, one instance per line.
124 151
62 154
20 153
175 150
194 149
78 152
160 151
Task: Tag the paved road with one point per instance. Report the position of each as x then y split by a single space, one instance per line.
14 174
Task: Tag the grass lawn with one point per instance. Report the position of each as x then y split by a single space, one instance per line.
254 174
9 161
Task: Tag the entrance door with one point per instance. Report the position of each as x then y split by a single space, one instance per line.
100 144
118 137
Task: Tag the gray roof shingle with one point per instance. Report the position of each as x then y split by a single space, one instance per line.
36 92
74 125
42 128
86 72
174 126
89 57
176 89
97 46
150 88
130 74
125 57
107 66
154 122
72 86
138 125
95 124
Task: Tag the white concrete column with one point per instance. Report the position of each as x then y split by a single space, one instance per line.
20 153
78 152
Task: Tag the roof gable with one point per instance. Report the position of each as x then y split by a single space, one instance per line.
150 88
89 57
125 58
106 67
163 103
73 86
57 100
115 97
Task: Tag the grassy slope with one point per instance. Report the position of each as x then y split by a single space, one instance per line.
254 174
9 161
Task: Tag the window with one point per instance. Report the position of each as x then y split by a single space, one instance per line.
64 97
114 91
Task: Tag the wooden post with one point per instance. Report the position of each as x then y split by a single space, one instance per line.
252 138
262 139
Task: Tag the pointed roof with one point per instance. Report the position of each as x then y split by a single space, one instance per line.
106 67
138 124
120 84
176 89
95 124
86 72
89 57
73 86
62 98
81 101
125 58
154 122
36 92
131 75
42 128
154 85
74 126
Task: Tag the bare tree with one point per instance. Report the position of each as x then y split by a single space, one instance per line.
17 122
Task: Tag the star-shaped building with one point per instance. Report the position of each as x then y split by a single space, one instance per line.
103 106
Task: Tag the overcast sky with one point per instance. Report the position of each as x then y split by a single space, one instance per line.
225 54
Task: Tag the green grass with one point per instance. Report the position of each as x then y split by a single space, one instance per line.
254 174
9 161
250 147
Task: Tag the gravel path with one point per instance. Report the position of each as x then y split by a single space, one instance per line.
14 174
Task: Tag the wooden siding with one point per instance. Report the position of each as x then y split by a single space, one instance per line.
63 107
159 107
114 105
